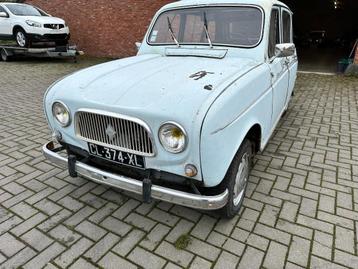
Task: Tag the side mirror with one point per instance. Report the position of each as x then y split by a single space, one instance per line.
3 15
285 50
138 45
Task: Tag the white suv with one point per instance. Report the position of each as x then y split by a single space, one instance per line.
27 24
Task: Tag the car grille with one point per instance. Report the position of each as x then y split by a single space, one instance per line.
115 131
54 26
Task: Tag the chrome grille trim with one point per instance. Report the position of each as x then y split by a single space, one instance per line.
131 134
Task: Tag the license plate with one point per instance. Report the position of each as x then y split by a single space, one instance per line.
117 156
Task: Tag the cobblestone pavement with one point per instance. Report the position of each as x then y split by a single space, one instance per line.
301 208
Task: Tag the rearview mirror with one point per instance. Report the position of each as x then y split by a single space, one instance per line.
285 50
138 45
3 15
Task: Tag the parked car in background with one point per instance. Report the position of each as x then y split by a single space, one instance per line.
182 120
27 24
317 38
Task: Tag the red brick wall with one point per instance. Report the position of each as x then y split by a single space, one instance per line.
104 27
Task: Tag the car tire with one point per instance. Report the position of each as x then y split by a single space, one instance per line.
236 179
21 38
4 56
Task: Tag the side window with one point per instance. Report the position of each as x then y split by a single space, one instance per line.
274 32
286 27
2 9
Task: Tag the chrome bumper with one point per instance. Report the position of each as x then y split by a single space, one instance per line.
136 186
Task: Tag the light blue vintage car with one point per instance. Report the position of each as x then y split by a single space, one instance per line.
182 120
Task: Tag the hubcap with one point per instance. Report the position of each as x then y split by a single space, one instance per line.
21 39
241 179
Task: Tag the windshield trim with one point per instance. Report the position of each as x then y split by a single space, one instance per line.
204 44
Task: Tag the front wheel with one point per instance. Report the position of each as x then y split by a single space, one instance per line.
21 38
236 179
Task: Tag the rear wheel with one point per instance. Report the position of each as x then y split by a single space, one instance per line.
21 38
236 179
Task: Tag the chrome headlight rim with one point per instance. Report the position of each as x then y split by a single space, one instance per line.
181 128
66 124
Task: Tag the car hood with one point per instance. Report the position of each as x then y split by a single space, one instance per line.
44 19
177 87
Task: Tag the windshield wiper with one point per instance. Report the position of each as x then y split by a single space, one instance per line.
206 27
172 33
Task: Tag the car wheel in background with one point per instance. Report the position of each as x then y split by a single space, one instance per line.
21 38
236 179
4 56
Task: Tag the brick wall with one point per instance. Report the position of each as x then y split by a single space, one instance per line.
104 27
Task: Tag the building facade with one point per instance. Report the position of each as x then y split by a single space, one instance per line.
105 28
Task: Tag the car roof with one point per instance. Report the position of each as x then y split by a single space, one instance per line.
266 4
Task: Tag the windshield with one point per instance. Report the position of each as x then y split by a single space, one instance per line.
24 10
233 26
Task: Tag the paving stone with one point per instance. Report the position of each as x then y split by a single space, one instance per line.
140 222
203 227
83 264
155 236
64 235
146 259
112 261
200 263
273 234
44 257
289 211
344 239
19 258
234 246
75 251
116 226
346 259
129 242
226 261
299 251
203 249
24 210
163 217
47 207
275 257
28 224
180 257
101 247
252 259
103 212
37 239
90 230
80 216
9 245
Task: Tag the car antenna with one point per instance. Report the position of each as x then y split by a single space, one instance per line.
207 30
172 32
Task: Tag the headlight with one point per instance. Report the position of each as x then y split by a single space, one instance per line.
61 114
172 137
33 23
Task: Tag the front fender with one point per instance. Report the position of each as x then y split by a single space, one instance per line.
246 103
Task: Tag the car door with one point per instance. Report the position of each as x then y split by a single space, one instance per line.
5 25
287 37
278 68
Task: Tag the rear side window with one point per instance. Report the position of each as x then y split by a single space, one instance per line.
274 32
286 27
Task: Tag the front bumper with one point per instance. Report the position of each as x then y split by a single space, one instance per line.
49 37
136 186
